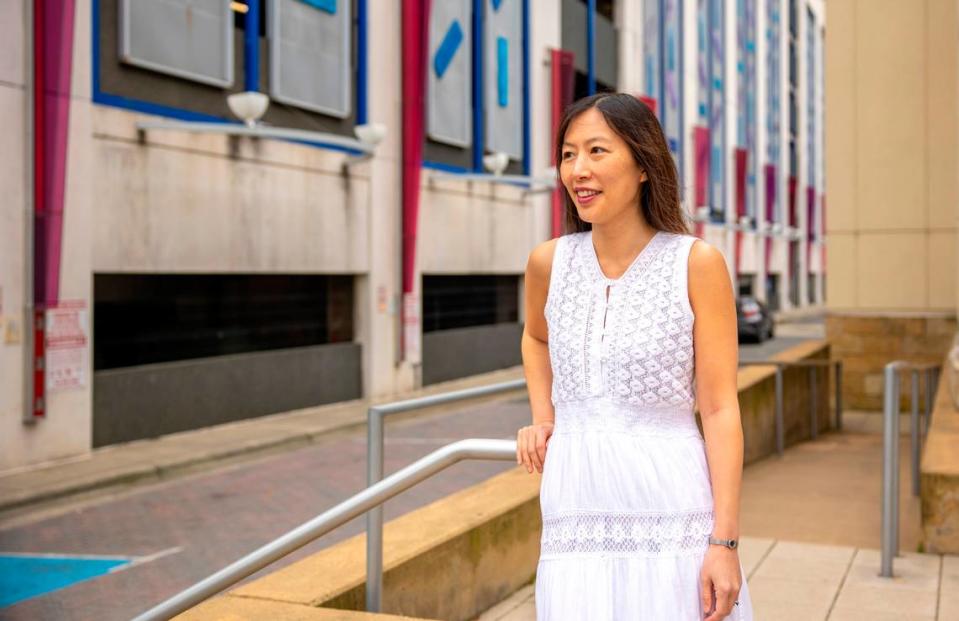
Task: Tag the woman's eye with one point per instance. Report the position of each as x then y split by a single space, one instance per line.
597 150
567 155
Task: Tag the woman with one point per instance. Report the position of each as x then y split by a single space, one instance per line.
640 515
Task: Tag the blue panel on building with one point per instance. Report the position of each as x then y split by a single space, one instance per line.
502 71
324 5
447 50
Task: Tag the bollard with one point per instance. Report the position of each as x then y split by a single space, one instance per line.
813 414
890 470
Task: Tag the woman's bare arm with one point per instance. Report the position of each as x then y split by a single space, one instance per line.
531 441
716 346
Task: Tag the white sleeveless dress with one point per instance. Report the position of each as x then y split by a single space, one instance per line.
625 496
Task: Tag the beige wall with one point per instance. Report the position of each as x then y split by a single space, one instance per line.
891 138
891 146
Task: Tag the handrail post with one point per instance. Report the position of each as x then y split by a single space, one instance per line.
374 518
890 468
813 418
914 437
839 395
780 424
374 471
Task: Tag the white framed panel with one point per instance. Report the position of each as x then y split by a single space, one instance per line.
310 64
503 76
450 85
191 39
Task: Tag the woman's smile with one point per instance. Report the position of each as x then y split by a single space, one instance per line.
585 196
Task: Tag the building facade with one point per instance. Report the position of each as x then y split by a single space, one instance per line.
162 270
891 73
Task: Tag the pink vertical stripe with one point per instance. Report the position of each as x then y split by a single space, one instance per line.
415 52
53 28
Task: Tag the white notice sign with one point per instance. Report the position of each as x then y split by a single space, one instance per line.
66 346
411 327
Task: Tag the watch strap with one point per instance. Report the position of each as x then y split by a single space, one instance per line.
732 544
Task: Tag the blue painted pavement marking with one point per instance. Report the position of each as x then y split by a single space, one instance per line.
24 576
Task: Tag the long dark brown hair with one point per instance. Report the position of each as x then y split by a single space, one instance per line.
636 124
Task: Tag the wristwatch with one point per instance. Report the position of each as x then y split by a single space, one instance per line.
729 543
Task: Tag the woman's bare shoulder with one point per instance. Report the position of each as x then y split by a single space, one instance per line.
540 262
708 273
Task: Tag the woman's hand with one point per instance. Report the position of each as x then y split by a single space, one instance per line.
531 445
721 580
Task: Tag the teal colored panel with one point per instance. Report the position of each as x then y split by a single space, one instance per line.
324 5
502 71
447 50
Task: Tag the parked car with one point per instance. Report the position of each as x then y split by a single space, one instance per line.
754 320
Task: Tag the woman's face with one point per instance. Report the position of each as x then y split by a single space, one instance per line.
599 171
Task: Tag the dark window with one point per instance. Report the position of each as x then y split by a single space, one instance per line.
462 301
143 319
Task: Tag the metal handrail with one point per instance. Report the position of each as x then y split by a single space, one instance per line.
374 471
890 447
812 364
354 506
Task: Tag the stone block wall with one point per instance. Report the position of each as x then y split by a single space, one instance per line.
867 342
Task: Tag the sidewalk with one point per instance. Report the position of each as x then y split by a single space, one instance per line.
811 523
116 468
791 581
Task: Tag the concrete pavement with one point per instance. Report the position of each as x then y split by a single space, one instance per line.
810 522
791 581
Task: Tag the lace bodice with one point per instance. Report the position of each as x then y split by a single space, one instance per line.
634 346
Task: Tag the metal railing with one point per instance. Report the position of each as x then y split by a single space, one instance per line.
374 471
354 506
918 428
813 365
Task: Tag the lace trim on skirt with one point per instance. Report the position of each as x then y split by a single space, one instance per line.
641 534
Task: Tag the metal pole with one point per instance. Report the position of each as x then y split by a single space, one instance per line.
780 424
890 468
927 411
839 395
914 437
504 450
813 414
374 519
29 196
374 471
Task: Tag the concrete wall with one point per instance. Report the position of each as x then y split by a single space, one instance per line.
449 354
181 203
891 148
156 399
13 187
939 480
66 429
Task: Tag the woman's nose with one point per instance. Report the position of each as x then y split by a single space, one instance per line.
581 168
